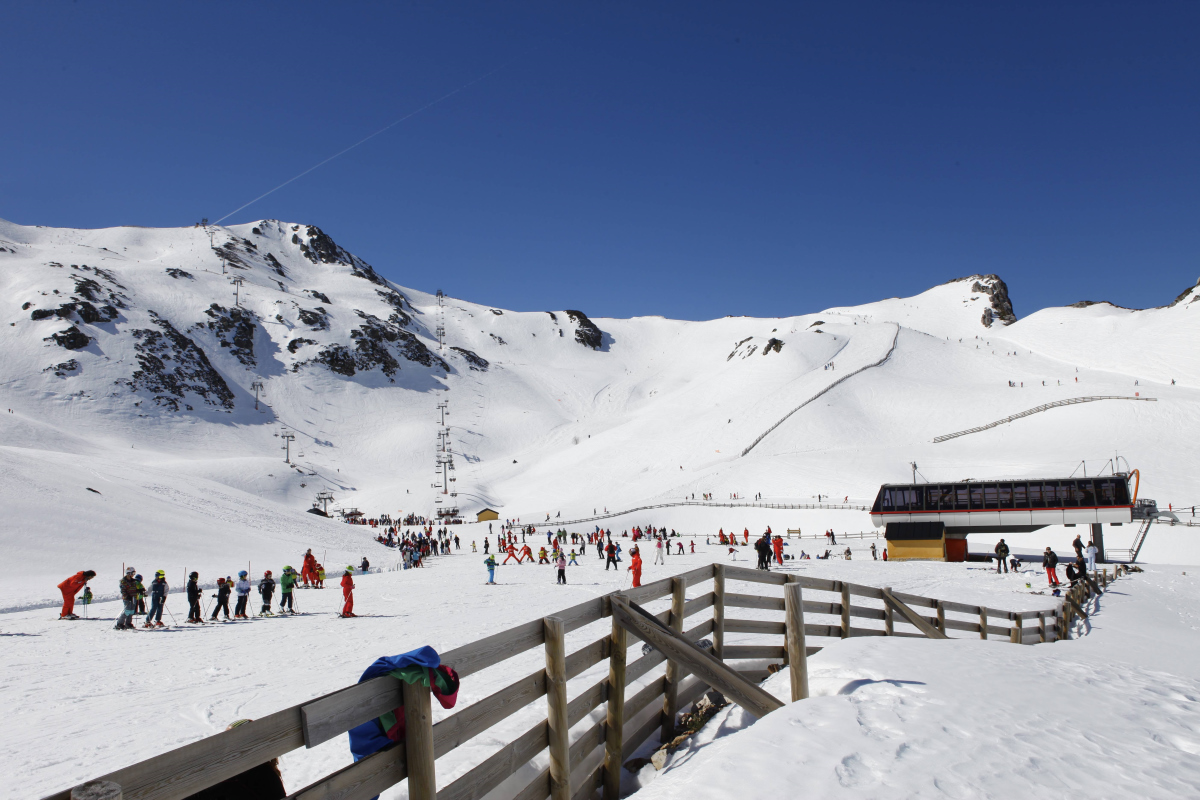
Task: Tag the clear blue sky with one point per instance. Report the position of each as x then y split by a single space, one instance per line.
691 160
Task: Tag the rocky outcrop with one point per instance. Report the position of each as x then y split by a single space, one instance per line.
1001 307
72 338
296 344
773 345
234 328
64 369
315 318
586 332
172 366
474 361
377 344
177 273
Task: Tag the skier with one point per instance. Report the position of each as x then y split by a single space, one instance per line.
490 563
140 603
611 551
193 596
128 588
635 566
874 556
366 566
573 562
1050 562
1001 556
1091 553
158 599
777 545
287 581
693 545
69 588
266 588
658 552
542 556
222 596
348 592
561 563
320 576
308 568
243 595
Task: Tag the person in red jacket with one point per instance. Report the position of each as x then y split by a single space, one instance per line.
635 566
308 568
777 544
70 587
348 593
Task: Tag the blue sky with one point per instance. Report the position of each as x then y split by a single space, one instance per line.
691 160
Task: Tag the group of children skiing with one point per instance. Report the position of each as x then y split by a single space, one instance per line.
134 594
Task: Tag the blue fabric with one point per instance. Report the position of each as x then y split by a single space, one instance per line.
369 737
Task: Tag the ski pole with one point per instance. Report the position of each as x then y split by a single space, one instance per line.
168 610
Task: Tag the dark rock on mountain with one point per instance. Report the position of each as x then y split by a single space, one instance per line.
586 332
296 344
397 301
64 369
175 272
324 298
997 290
773 344
234 328
316 318
172 366
72 338
337 357
474 362
499 340
275 265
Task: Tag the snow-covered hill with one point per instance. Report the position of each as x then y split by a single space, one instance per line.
130 370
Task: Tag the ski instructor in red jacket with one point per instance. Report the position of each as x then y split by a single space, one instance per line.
70 587
348 593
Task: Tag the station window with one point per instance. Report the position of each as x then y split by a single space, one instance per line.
976 496
1020 495
1006 495
1037 494
991 496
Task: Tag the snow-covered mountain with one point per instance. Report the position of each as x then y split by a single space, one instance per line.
130 370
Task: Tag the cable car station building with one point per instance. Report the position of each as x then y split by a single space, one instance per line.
930 521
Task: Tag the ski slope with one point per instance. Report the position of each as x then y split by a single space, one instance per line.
190 474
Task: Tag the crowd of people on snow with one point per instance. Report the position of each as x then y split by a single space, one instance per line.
134 594
1076 571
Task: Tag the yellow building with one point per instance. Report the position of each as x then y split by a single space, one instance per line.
486 515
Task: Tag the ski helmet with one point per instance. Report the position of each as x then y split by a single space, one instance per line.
194 575
137 577
267 574
160 574
220 580
287 569
130 570
242 574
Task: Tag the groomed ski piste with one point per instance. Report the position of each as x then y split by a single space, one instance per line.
110 460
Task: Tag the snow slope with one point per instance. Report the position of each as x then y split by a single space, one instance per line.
128 363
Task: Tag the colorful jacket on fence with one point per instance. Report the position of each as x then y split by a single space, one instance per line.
422 665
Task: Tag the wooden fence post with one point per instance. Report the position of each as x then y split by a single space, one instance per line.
889 620
418 740
674 670
719 612
983 622
1041 626
941 617
845 609
1016 633
615 721
556 708
797 649
97 790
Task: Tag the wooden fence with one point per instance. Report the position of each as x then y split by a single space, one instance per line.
582 744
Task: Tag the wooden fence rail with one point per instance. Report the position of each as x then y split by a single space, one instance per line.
641 696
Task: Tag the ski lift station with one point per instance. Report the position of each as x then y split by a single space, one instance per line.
930 521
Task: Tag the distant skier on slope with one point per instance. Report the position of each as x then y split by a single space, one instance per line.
490 563
266 588
287 582
243 595
561 564
69 588
193 596
348 592
158 599
128 588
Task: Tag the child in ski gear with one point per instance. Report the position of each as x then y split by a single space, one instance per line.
193 596
140 605
348 592
266 588
158 599
635 566
366 565
222 596
320 577
573 562
490 563
287 581
561 563
243 595
128 588
69 588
